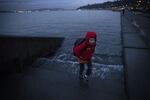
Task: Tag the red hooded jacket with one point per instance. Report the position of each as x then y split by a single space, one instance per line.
85 50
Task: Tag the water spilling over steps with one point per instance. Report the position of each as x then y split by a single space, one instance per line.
101 71
107 60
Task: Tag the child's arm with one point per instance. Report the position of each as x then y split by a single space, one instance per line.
79 49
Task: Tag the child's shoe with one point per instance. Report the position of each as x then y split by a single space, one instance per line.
81 77
86 77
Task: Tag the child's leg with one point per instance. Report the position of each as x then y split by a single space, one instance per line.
81 69
89 70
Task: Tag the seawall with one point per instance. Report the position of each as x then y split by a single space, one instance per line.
18 52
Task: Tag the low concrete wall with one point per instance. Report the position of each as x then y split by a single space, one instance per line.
18 52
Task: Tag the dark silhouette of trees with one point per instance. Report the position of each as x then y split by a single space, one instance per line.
136 5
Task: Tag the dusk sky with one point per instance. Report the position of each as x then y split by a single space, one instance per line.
47 3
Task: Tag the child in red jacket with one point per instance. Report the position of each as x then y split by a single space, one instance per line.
84 53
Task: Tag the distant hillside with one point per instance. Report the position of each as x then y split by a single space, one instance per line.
102 5
134 5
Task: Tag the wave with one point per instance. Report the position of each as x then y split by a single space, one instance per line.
34 10
101 71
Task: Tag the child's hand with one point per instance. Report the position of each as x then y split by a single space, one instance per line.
82 61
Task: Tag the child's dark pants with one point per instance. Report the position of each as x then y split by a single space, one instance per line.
89 69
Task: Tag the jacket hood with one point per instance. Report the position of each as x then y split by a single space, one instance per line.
90 35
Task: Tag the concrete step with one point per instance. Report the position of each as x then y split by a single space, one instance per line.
51 81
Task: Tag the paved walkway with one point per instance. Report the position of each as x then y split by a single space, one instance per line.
136 56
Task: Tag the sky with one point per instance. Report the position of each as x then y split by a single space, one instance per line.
72 4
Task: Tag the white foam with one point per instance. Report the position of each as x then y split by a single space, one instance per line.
62 55
135 24
102 71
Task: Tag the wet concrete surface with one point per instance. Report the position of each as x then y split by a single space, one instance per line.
136 56
52 82
137 61
133 41
141 21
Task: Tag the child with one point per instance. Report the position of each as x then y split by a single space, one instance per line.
84 53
